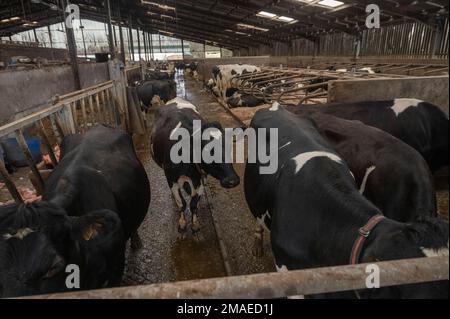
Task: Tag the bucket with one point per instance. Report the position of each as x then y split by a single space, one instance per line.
14 154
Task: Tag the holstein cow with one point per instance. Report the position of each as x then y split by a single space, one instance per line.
185 179
159 75
390 173
419 124
153 93
94 201
238 98
223 75
319 218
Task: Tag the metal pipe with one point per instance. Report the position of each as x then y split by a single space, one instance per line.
279 285
131 39
139 43
72 51
112 50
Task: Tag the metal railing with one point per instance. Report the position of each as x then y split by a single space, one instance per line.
280 285
69 114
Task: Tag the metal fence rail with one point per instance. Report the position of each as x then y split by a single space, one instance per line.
279 285
71 113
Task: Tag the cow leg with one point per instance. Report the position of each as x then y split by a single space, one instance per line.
258 245
194 209
182 223
136 242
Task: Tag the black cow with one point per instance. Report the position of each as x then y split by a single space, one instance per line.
94 201
156 91
185 178
238 98
158 75
419 124
390 173
315 211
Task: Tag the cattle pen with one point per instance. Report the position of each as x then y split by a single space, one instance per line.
54 88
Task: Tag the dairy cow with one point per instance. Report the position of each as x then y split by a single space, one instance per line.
185 179
390 173
224 74
238 98
156 91
318 217
419 124
94 201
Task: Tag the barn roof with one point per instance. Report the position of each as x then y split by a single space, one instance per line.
227 23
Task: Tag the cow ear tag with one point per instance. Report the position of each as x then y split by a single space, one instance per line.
92 230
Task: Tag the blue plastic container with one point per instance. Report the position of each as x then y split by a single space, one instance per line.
14 154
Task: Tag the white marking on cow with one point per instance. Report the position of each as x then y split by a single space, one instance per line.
178 188
401 105
261 221
210 82
20 234
285 145
366 179
302 159
441 252
353 175
174 131
367 69
282 269
183 104
275 107
216 134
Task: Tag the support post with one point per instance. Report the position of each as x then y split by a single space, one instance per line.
131 39
72 51
139 43
182 48
112 50
122 44
84 41
144 36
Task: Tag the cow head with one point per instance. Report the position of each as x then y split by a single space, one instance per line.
38 241
222 171
426 238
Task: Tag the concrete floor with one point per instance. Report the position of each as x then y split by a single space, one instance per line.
165 257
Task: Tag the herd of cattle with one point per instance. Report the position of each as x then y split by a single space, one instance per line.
354 185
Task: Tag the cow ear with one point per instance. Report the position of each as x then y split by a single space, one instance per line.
332 135
97 227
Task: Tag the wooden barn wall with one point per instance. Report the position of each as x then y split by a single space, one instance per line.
406 41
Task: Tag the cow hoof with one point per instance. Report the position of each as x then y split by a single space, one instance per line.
181 235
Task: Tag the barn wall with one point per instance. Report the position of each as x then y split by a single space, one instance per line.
9 50
26 90
406 41
431 89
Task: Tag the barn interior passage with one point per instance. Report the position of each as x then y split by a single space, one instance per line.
92 90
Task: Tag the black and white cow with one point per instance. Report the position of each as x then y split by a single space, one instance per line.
94 201
315 212
419 124
390 173
152 75
185 179
238 98
156 92
224 74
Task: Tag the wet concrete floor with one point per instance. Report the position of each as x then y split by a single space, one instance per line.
167 258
